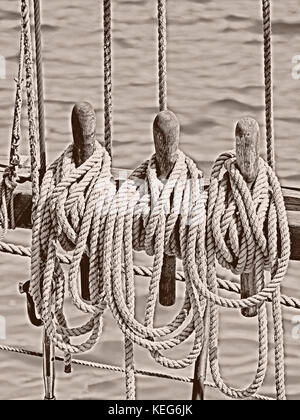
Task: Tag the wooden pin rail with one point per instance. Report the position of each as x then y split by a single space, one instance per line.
22 204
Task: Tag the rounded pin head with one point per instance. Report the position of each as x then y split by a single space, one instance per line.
247 148
166 131
84 131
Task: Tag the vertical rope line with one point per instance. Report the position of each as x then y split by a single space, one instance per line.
30 87
267 27
40 86
107 18
276 306
162 55
16 131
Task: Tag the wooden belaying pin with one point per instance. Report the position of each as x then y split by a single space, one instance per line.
247 156
166 130
84 135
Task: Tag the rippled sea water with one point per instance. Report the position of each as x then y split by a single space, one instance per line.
215 78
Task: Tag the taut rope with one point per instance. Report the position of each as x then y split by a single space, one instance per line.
162 54
31 96
40 85
107 75
276 306
267 30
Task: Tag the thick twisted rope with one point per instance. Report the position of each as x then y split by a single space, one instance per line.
40 85
31 96
70 205
162 55
80 211
143 217
267 29
107 18
238 239
276 306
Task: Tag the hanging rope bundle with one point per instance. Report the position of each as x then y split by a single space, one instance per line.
70 207
246 229
147 215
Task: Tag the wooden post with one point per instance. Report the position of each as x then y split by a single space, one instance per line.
200 374
166 132
247 155
84 135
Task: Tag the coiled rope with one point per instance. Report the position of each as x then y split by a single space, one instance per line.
31 96
79 209
162 54
276 307
144 217
246 229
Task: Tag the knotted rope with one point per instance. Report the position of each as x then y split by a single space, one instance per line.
150 216
70 205
246 229
80 210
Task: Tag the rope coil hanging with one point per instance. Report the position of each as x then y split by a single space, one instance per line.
237 240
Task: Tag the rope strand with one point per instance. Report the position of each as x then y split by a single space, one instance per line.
107 18
40 86
162 54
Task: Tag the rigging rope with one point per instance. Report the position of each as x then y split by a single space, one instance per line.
79 211
31 96
162 54
107 75
40 85
276 306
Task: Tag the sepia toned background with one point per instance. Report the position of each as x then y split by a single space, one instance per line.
215 78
